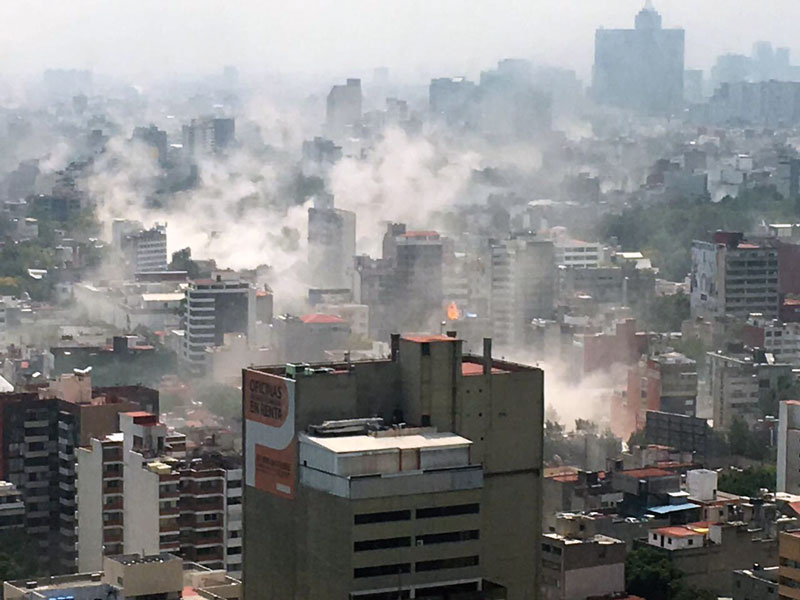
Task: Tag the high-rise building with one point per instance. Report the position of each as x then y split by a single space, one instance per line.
137 490
641 68
523 285
208 136
39 433
789 447
12 508
446 501
155 139
215 307
449 99
343 109
733 276
331 244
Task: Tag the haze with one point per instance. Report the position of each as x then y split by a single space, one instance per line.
147 39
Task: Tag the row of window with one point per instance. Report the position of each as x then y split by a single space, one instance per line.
439 591
419 567
421 513
420 540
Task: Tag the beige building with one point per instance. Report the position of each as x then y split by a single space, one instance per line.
575 568
473 520
132 576
789 565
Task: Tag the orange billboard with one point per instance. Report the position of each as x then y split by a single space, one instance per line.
270 441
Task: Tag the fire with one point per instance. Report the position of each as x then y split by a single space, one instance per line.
452 311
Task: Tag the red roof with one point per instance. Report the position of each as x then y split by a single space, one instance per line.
749 246
648 472
791 302
321 319
677 531
421 339
471 368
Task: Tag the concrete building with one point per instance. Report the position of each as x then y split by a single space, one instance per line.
39 436
208 135
214 307
343 109
641 68
756 583
760 103
671 378
575 253
576 569
145 250
449 99
331 244
137 489
780 339
12 508
789 565
154 139
707 553
523 285
742 383
788 466
731 276
133 577
355 535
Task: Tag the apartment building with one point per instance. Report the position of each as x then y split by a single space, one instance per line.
734 276
138 490
429 514
39 436
12 507
788 466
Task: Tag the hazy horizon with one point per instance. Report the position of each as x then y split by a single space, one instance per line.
153 39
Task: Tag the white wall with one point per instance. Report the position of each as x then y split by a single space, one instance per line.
90 508
141 507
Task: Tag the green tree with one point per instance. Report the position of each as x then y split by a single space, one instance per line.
19 556
666 313
650 574
747 482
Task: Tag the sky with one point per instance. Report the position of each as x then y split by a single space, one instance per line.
417 39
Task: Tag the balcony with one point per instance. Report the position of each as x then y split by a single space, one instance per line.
112 536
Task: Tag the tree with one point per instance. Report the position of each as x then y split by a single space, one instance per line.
747 482
19 556
666 313
650 574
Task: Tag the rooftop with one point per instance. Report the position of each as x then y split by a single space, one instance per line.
421 338
647 472
378 443
471 368
321 319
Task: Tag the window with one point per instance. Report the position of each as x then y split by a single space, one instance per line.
446 563
382 517
457 536
448 511
396 542
392 595
394 569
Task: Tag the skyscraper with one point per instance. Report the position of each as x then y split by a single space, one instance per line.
331 244
447 500
642 68
343 108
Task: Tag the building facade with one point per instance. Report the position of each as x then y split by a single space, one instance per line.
492 407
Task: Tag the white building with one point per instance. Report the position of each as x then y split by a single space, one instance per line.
143 249
575 253
789 447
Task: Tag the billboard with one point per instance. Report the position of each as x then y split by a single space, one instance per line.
270 442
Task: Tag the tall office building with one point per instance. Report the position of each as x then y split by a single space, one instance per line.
523 285
39 433
343 109
331 244
734 276
215 307
447 500
642 68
